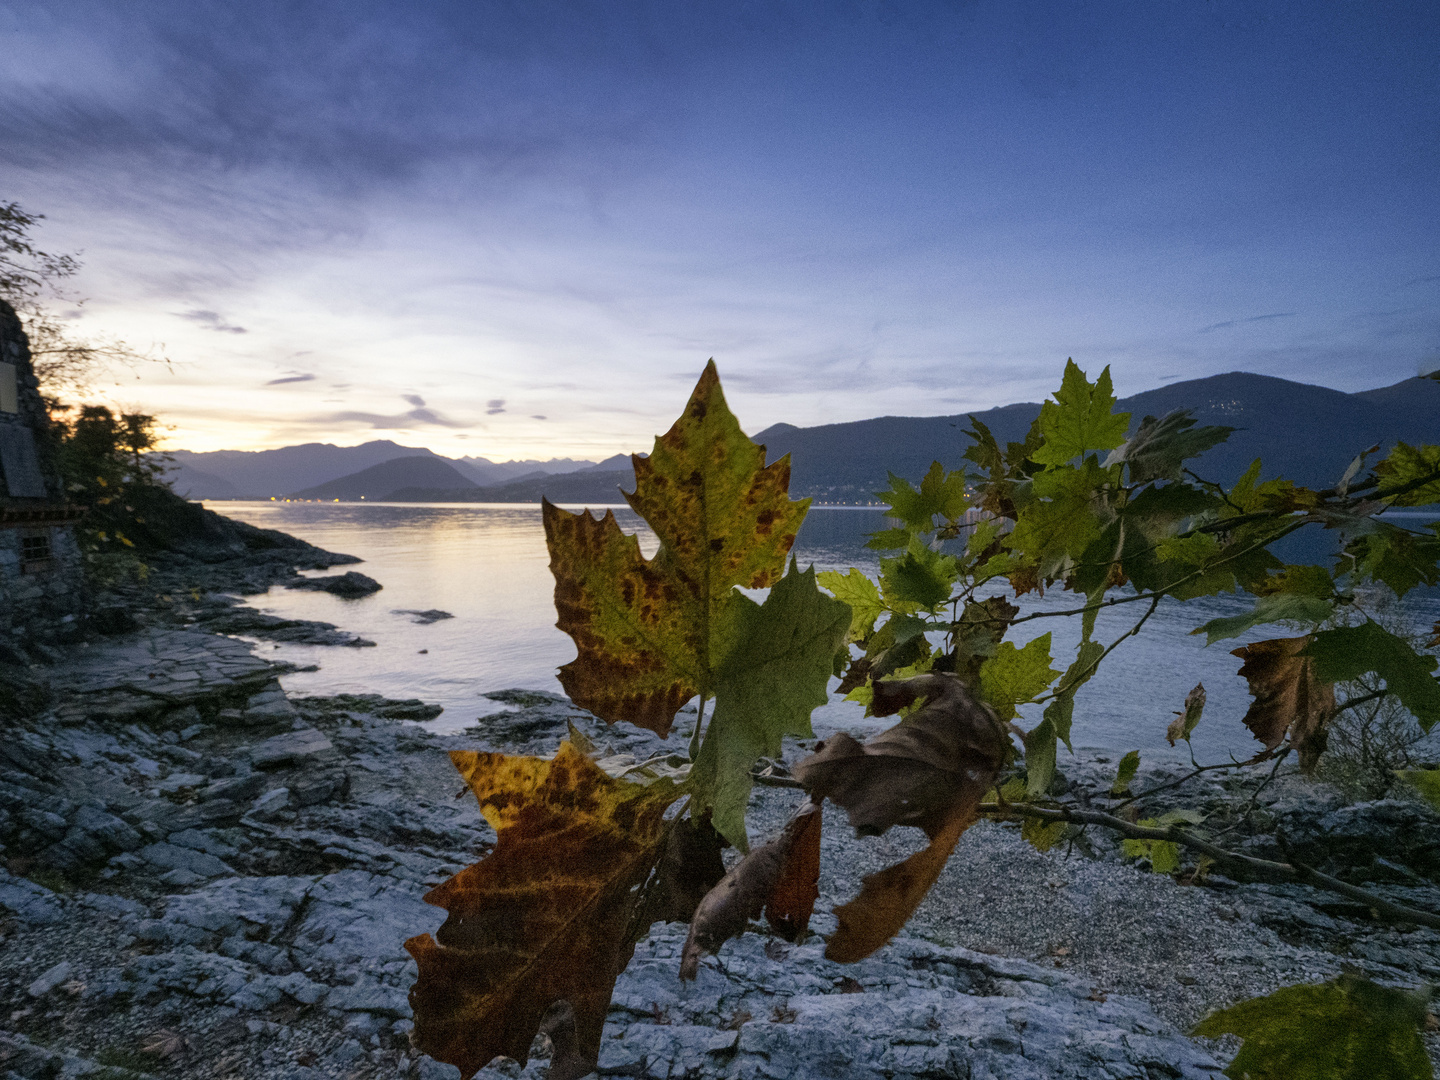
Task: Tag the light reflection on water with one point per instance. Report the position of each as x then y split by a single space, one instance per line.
487 565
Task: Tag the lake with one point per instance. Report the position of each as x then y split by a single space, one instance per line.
487 565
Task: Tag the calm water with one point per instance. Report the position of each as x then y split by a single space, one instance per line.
487 565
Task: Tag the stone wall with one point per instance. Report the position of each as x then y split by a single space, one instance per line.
42 591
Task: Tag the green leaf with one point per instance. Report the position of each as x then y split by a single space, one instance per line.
1060 711
939 495
1014 676
862 594
1348 1029
1042 835
1040 758
888 539
642 627
1396 557
920 578
1079 419
1405 465
1281 607
1125 773
1164 856
777 662
1425 781
977 633
1159 447
1061 517
1305 580
1347 652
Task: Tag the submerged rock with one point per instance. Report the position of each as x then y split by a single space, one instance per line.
349 585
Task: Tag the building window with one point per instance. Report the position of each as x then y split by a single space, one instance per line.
35 553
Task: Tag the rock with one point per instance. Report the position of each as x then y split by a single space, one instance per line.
270 805
180 781
289 749
525 698
349 585
424 618
270 706
427 1068
50 980
172 857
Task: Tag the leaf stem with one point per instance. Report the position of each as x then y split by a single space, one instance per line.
694 748
1293 871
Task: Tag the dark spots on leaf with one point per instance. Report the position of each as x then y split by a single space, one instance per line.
717 544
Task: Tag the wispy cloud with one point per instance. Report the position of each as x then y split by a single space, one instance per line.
414 399
419 417
494 406
289 379
1242 322
212 320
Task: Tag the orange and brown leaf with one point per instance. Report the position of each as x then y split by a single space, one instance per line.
545 917
1289 700
645 629
639 631
780 878
931 771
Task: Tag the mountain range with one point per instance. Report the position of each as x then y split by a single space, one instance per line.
1305 433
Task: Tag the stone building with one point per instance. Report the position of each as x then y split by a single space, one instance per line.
42 591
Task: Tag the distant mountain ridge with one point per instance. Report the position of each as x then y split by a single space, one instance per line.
1305 433
263 474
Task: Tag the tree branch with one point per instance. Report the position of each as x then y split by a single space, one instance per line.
1298 872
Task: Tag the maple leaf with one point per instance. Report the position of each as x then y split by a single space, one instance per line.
643 628
1425 781
777 660
1395 556
1159 447
862 594
1346 1029
1014 676
1290 697
1408 465
545 917
1347 652
1062 515
781 878
918 580
977 634
931 771
939 496
1079 419
1277 607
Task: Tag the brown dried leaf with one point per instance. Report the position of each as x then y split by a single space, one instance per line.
1289 699
545 916
792 898
773 876
1434 642
931 770
163 1044
689 869
1184 722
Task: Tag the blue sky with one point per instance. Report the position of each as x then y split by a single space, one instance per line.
520 229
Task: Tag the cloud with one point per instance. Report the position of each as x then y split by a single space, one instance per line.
290 379
414 399
537 416
211 320
1241 322
494 406
399 422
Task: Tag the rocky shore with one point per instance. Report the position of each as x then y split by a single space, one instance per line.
206 878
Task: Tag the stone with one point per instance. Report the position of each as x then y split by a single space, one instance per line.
289 749
371 997
424 618
172 857
271 804
180 781
50 980
427 1068
348 586
269 706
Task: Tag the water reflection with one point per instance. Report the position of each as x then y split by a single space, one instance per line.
487 565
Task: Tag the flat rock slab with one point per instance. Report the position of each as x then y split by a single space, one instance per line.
290 748
912 1010
157 669
349 585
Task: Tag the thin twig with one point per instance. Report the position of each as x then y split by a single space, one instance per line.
1298 872
1231 764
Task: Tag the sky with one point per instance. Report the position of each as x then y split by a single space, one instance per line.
519 229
